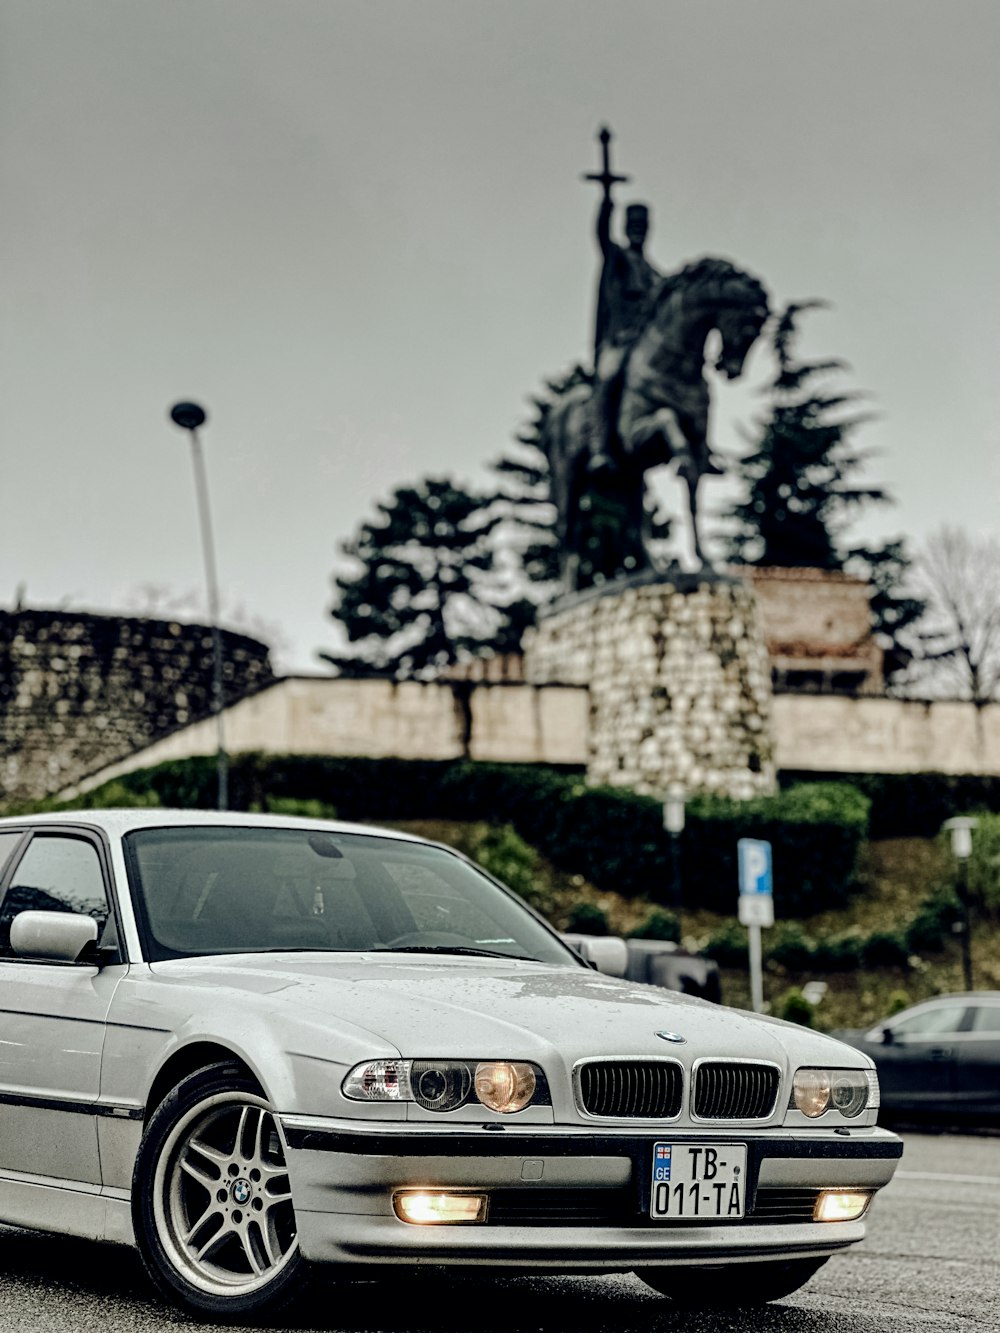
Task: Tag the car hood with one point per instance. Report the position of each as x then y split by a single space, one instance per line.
483 1008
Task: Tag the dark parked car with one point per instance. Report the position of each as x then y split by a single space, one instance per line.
941 1057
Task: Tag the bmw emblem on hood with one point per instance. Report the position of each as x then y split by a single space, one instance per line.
672 1036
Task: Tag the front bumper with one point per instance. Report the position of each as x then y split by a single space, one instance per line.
566 1200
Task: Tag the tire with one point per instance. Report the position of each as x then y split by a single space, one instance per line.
211 1199
733 1286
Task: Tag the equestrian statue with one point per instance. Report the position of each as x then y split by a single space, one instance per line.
647 402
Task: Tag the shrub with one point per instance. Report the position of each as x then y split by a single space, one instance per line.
612 836
659 924
506 856
728 946
914 805
116 795
290 805
795 951
795 1008
839 953
587 919
931 928
884 949
814 829
984 865
791 948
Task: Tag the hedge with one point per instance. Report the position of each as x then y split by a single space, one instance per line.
790 948
612 836
912 805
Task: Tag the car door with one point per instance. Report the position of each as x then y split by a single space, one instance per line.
916 1067
977 1064
52 1014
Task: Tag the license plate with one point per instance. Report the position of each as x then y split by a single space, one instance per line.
695 1182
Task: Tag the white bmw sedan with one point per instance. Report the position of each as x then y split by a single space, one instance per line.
250 1044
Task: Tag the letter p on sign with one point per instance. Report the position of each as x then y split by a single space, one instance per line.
756 882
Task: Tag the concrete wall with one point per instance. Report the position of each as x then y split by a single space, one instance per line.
550 724
513 723
823 733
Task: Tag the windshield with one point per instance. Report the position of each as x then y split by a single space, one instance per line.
256 890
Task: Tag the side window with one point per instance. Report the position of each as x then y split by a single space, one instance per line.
986 1019
56 874
935 1022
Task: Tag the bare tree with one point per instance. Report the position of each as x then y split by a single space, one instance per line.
959 636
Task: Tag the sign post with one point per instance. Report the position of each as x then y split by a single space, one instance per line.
756 907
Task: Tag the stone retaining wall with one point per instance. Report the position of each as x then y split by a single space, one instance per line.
79 690
680 683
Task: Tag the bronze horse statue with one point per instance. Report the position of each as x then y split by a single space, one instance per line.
660 411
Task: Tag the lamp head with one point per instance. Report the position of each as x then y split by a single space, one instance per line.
960 829
189 416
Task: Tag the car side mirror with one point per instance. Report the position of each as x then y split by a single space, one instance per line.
887 1037
60 936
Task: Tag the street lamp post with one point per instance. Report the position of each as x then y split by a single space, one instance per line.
190 416
673 822
960 829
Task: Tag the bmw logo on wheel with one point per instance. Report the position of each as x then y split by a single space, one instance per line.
241 1192
672 1036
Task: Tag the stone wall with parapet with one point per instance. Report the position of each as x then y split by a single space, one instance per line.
79 690
549 724
498 722
680 683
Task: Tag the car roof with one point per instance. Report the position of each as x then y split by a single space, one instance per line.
963 996
118 822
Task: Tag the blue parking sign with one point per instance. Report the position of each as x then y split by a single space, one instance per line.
754 857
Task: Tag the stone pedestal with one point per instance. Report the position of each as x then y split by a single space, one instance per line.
679 679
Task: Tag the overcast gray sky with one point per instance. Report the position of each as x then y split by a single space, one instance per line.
355 230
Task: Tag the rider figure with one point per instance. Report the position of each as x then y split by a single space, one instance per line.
628 285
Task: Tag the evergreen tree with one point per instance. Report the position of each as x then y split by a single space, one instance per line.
799 479
800 492
895 607
523 503
423 597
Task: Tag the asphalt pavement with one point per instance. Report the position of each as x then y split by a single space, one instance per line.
931 1262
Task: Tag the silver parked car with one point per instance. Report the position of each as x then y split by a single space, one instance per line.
249 1044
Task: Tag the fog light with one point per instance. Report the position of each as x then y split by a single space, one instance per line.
427 1209
841 1205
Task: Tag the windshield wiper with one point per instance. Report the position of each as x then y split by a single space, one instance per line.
452 948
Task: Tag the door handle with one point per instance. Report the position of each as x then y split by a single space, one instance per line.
939 1052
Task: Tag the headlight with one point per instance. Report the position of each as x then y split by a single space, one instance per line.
847 1091
441 1085
445 1085
503 1085
811 1091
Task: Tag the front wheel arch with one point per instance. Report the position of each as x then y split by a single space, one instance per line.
191 1060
